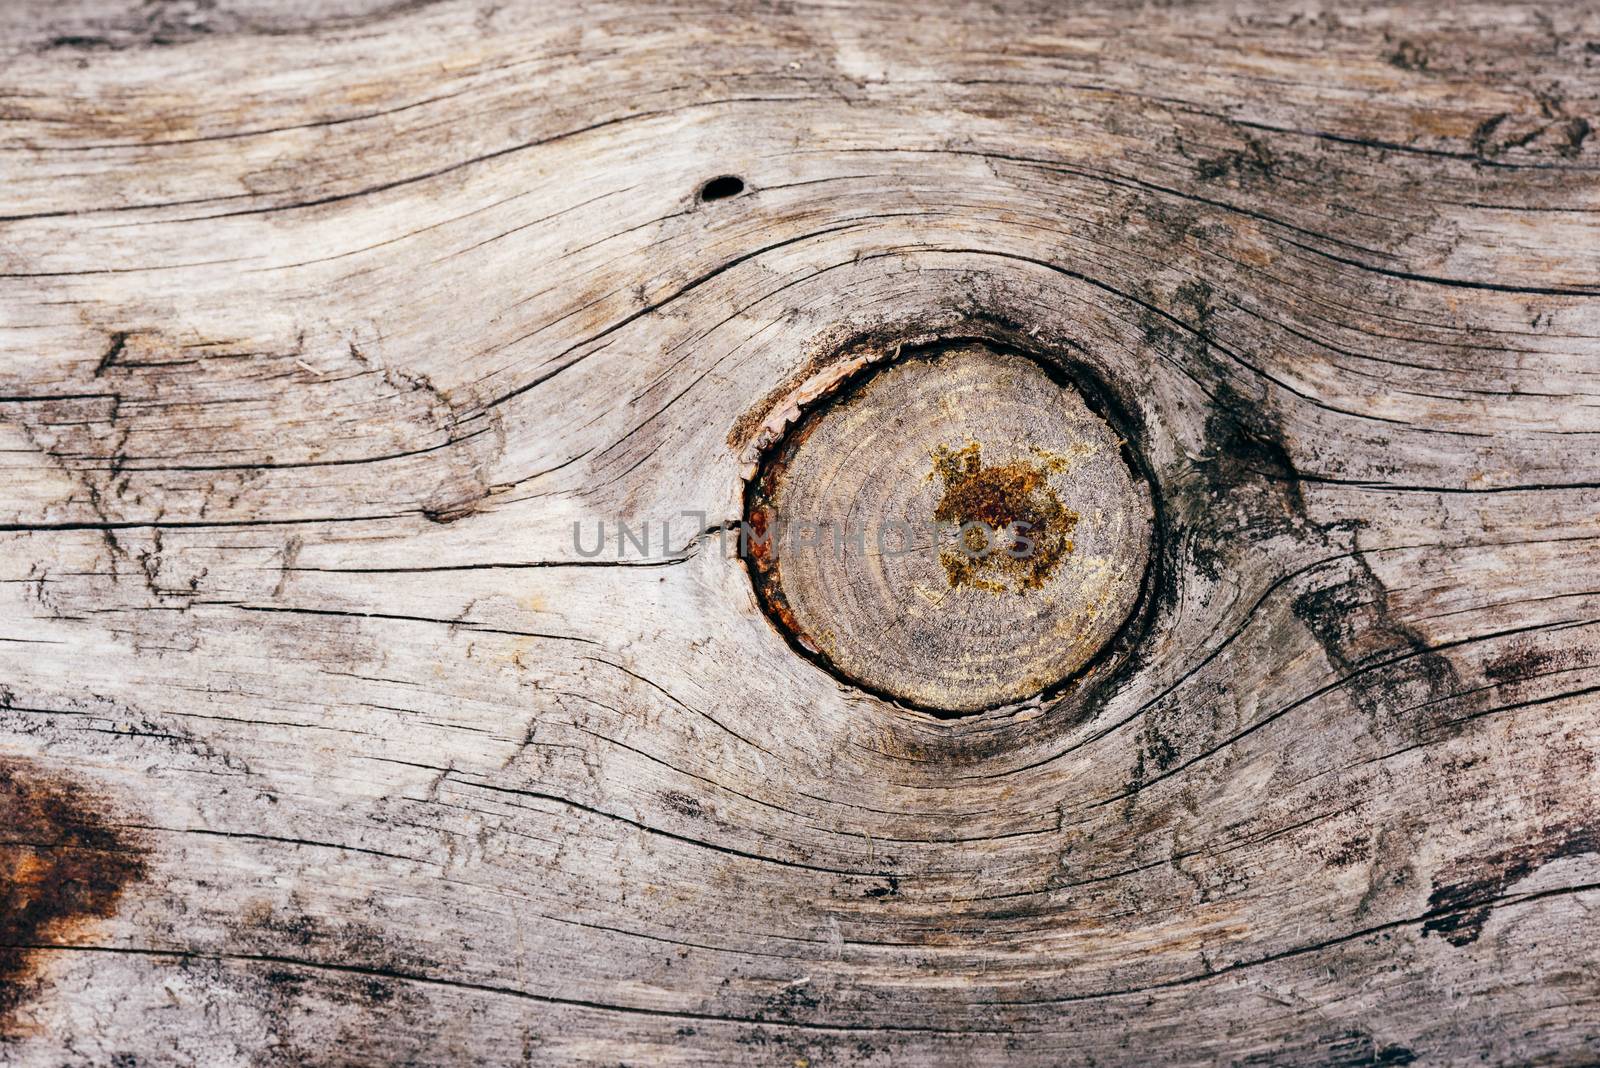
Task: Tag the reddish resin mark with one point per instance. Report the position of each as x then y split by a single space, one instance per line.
997 497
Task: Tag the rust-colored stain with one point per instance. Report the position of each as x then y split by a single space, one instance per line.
758 538
998 496
61 867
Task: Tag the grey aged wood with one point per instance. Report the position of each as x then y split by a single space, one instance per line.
321 325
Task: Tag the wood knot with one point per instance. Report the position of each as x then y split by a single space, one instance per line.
956 530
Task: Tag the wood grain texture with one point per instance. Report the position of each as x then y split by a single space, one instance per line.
321 326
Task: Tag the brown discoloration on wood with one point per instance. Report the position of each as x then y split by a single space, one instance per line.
63 866
1025 530
757 534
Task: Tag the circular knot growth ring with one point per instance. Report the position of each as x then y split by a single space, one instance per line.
958 530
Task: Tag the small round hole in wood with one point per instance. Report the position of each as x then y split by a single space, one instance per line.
957 530
721 188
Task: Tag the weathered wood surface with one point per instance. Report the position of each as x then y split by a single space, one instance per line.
323 324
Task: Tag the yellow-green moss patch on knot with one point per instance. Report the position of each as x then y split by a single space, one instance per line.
1009 529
